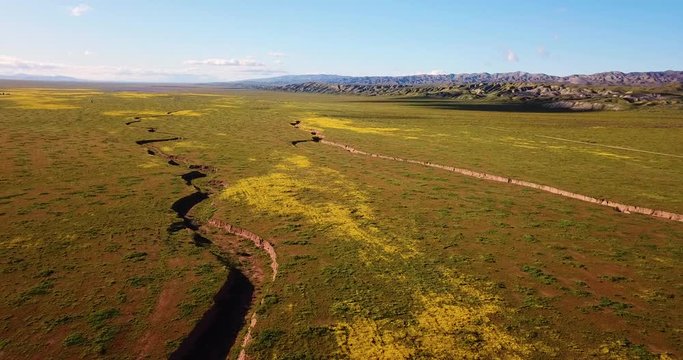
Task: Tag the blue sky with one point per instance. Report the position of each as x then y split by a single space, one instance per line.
175 40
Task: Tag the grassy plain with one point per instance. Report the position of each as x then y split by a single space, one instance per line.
378 259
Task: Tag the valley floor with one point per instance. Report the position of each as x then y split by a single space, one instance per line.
148 224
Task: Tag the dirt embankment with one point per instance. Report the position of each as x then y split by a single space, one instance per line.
246 234
615 205
628 209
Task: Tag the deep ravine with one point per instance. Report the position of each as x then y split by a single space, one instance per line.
214 336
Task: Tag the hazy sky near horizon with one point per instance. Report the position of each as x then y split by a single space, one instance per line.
175 40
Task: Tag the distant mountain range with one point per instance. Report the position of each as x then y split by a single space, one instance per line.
29 77
650 78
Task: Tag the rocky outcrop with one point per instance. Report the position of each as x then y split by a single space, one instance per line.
549 96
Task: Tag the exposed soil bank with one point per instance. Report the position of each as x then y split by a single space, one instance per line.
246 234
215 334
617 206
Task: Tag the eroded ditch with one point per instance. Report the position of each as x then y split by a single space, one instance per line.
215 334
624 208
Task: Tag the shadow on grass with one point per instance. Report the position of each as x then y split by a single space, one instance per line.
529 106
216 333
148 141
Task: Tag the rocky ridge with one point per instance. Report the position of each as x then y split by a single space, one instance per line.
549 96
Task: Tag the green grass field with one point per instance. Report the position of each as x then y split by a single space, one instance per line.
377 259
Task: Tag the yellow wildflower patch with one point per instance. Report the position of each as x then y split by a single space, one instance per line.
47 99
452 325
136 95
171 146
284 192
187 113
125 113
609 155
342 124
366 339
148 165
150 113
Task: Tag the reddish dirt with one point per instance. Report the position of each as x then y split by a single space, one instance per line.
151 343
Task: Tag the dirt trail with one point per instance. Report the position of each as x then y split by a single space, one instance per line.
215 334
628 209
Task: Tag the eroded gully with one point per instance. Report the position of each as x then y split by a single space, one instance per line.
624 208
216 333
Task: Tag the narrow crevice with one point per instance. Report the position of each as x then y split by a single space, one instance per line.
215 334
295 142
149 141
192 175
627 209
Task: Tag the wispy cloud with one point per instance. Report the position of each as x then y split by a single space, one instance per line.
511 56
10 65
88 53
80 9
264 71
542 51
277 54
17 64
224 62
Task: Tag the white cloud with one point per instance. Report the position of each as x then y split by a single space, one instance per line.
10 65
264 71
88 53
80 9
277 54
224 62
433 72
542 51
511 56
10 62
